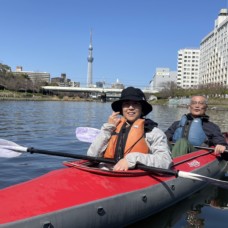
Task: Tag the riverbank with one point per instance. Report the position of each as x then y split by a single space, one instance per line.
44 98
213 103
220 104
16 96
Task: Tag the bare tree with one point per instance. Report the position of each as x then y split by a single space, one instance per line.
169 89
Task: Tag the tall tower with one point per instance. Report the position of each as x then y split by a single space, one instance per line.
90 61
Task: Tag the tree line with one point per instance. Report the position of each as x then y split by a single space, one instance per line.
213 90
20 82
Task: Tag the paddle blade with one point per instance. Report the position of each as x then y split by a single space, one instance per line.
4 142
5 153
86 134
10 149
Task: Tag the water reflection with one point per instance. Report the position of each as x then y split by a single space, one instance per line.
220 199
219 118
191 212
165 115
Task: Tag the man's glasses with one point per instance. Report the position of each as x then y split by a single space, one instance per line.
198 102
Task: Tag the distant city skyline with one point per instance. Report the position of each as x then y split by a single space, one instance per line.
130 38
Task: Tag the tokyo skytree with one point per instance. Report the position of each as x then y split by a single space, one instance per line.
90 64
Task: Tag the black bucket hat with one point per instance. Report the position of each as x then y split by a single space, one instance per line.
132 94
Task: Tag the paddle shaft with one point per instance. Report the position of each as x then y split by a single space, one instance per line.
100 159
69 155
207 148
10 146
154 170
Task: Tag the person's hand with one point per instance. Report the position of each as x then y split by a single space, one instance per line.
114 119
219 149
121 165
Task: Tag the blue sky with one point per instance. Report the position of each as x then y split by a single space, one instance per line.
131 38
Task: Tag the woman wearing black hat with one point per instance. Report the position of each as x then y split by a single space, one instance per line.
132 139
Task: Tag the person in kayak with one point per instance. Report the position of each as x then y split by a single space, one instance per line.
131 139
195 129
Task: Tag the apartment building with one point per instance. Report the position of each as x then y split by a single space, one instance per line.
188 68
33 76
214 53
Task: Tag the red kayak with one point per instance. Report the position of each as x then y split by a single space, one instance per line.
81 195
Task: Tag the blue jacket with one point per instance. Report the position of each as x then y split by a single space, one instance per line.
212 131
191 129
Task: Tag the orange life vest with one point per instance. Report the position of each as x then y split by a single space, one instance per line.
135 141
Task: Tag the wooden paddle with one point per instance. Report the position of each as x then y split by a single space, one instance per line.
11 149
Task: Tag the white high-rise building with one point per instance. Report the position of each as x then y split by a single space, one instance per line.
161 77
214 53
188 68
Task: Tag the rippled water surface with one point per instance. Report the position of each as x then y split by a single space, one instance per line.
51 126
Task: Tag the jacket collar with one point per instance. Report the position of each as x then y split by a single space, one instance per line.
203 117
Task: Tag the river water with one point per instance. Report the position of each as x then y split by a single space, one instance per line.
50 125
